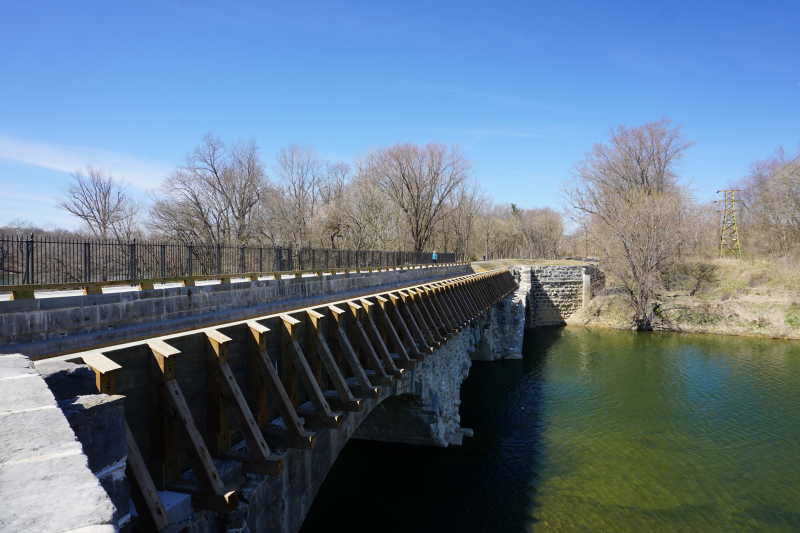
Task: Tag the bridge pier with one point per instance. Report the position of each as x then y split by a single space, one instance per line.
424 408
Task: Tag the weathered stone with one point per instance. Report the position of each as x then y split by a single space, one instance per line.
98 422
65 379
45 481
78 322
557 291
425 406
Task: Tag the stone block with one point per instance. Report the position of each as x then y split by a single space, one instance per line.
44 479
98 421
25 392
117 486
65 379
52 494
178 506
15 365
41 434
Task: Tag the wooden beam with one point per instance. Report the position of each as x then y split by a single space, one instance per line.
377 340
138 469
419 300
418 320
324 353
324 412
444 318
389 330
349 354
219 430
298 436
164 355
413 345
105 371
215 497
373 361
260 458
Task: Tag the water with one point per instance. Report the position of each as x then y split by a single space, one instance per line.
596 430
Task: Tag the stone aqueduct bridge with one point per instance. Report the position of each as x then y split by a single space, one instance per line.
222 408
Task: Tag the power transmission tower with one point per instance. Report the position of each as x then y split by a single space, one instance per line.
729 243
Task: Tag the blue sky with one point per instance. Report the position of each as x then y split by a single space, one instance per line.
525 88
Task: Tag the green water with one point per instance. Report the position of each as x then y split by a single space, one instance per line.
596 430
666 432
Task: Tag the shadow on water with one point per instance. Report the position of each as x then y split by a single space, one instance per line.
488 484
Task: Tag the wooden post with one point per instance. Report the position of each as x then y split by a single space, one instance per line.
213 494
377 340
390 332
366 346
260 458
323 413
298 436
413 345
138 468
106 371
323 352
349 354
421 302
417 319
438 310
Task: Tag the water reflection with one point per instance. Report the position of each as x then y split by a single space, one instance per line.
597 430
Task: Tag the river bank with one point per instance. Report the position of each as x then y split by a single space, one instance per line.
753 298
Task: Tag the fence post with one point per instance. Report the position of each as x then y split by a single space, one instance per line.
163 260
189 266
241 259
132 274
28 278
87 262
261 259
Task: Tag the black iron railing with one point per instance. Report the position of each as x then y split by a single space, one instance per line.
42 260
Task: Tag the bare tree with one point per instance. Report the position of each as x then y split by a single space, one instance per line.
331 215
214 197
419 180
301 174
641 241
368 217
771 201
102 204
541 231
628 191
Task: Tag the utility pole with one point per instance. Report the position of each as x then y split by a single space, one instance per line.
729 243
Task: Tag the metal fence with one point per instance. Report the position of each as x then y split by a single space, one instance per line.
41 260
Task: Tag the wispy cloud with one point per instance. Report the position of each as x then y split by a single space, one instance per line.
135 171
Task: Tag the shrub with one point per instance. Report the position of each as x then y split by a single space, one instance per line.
792 316
690 277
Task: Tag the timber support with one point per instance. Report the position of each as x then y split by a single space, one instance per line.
252 391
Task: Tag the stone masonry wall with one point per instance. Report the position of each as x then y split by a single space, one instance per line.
558 291
503 330
425 408
46 326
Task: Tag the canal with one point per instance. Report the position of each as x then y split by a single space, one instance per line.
596 430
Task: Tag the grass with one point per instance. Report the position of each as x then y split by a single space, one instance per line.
792 316
482 266
747 297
